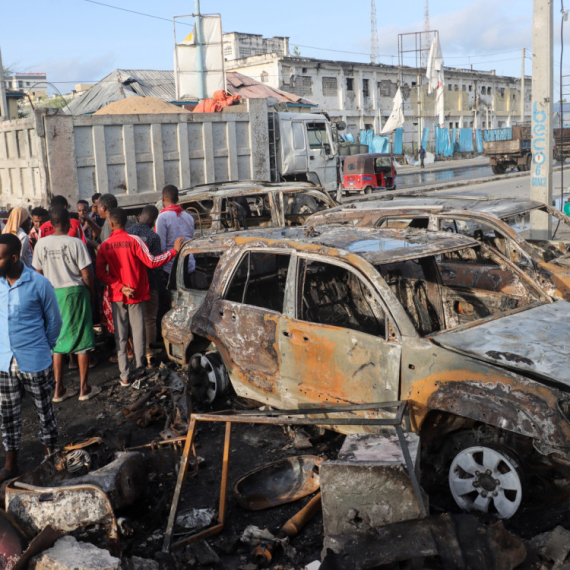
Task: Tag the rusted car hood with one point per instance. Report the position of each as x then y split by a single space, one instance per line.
536 341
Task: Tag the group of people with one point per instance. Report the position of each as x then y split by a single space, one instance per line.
60 273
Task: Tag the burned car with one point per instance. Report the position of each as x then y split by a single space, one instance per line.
231 206
301 317
503 224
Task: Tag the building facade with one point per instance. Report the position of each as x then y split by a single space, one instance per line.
239 46
361 94
34 84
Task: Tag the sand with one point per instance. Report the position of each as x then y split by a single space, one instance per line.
139 106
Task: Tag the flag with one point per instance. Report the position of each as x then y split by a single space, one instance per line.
396 119
434 74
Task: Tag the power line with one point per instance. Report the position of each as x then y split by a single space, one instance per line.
135 12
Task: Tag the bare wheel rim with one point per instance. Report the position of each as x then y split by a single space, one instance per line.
486 480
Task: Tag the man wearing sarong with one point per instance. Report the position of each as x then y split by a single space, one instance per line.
66 262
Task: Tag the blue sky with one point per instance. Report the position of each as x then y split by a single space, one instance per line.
76 41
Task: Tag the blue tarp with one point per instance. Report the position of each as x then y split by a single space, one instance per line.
366 137
505 134
350 137
441 141
425 137
479 137
398 138
380 144
466 140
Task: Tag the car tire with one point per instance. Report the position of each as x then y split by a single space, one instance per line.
486 479
208 377
304 205
368 190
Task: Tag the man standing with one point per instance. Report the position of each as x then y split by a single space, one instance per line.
91 230
39 217
105 204
422 155
29 327
66 262
143 229
121 264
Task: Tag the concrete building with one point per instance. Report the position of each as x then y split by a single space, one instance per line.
239 46
32 83
361 94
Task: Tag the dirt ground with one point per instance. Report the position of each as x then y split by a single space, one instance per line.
252 446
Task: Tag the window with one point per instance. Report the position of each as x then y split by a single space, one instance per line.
502 91
350 83
483 90
464 87
317 135
303 85
264 77
488 91
334 296
403 223
470 88
201 278
365 88
260 280
330 86
514 96
456 87
450 87
298 136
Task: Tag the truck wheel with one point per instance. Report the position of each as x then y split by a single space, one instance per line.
499 168
368 190
304 205
528 162
208 377
486 479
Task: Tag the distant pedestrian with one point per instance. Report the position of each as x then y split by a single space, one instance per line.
75 229
29 327
143 229
39 217
19 224
66 262
121 264
422 155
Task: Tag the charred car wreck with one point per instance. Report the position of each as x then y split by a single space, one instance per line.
341 315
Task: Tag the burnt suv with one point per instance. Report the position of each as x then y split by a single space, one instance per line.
341 315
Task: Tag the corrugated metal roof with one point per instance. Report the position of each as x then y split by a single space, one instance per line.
123 83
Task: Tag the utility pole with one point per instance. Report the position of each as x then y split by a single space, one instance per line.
522 86
199 52
541 141
3 103
374 47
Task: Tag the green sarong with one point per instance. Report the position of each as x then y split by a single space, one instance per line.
77 328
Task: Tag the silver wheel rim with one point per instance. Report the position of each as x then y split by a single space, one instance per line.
486 480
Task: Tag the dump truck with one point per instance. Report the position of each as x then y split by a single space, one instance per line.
561 144
135 156
508 148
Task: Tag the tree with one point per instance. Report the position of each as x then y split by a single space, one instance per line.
296 51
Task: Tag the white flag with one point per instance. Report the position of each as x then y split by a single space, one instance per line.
434 74
396 119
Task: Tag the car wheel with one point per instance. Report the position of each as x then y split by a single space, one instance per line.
485 479
208 377
368 190
304 205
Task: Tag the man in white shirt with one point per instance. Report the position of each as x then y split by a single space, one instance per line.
66 263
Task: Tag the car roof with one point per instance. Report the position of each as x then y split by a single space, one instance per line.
376 245
499 207
241 188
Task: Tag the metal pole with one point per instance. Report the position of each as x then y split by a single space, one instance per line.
3 102
542 93
199 52
522 86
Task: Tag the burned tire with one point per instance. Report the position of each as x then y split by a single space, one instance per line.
486 479
304 205
499 168
208 377
368 190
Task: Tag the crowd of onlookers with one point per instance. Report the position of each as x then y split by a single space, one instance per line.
67 275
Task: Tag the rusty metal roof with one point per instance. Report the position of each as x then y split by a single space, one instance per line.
376 245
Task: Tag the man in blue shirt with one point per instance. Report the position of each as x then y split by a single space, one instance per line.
30 323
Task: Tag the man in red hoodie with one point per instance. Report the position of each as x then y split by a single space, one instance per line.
121 264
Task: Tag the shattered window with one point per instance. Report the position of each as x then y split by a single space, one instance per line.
334 296
317 135
402 223
260 280
201 278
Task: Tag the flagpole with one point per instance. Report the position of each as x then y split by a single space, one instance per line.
199 52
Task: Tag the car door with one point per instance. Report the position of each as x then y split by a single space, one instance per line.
245 320
336 344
